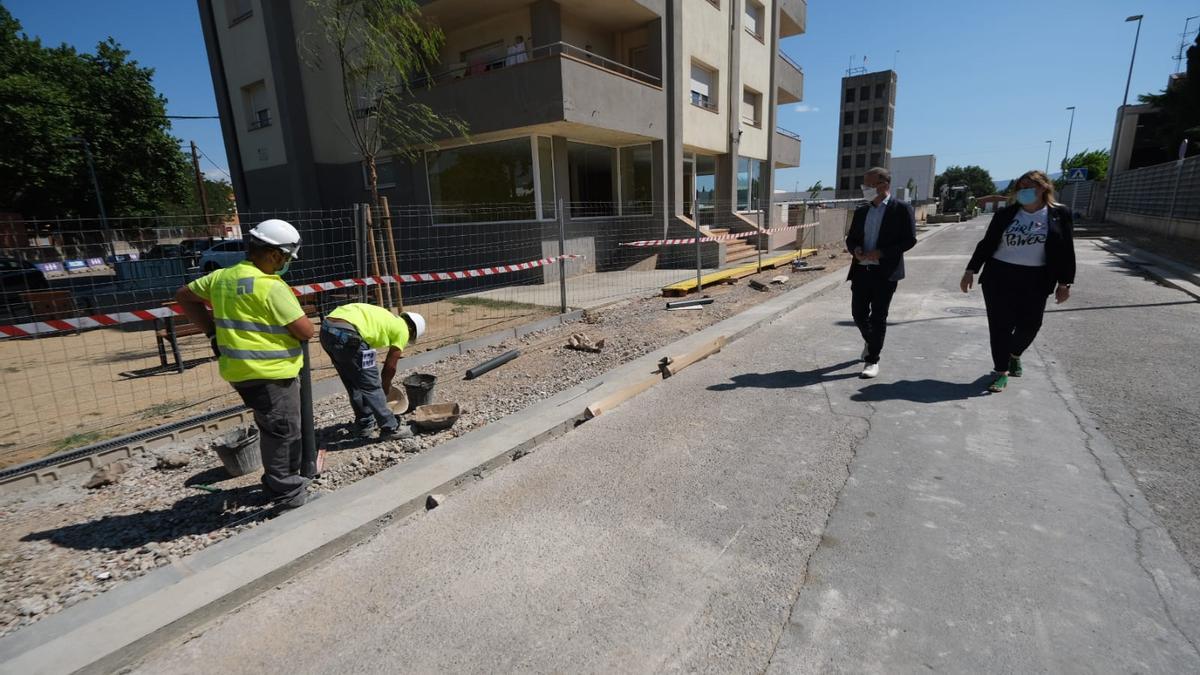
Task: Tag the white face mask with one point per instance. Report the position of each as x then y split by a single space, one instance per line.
869 193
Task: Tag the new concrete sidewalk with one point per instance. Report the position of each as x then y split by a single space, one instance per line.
769 510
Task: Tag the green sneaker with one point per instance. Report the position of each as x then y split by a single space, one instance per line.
1014 366
998 384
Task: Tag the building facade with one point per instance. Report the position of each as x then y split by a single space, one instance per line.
865 130
915 172
616 107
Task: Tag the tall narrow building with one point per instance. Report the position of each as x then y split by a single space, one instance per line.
865 132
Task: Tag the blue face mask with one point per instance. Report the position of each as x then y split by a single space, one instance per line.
283 270
1027 196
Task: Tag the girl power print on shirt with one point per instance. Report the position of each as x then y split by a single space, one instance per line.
1025 230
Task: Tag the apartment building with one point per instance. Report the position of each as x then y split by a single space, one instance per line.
618 107
865 131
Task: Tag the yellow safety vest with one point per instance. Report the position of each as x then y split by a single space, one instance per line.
251 311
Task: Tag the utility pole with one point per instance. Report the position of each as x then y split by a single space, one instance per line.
200 193
87 152
1049 145
1114 159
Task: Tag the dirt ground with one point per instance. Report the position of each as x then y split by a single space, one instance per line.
64 391
66 544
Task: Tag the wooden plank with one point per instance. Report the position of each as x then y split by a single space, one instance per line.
733 273
672 365
618 397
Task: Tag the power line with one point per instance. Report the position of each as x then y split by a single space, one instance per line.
215 165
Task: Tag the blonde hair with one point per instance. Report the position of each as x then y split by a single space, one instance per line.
1041 179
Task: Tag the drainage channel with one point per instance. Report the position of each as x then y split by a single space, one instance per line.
51 469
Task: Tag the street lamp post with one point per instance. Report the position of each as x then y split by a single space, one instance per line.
1112 160
1070 127
1049 145
87 152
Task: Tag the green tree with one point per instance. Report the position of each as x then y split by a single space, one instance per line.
815 189
1179 106
378 49
977 179
51 96
1095 161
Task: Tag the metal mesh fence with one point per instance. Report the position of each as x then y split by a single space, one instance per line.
1170 190
92 347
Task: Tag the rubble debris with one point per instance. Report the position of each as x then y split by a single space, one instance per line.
781 279
581 342
679 304
106 475
172 460
433 501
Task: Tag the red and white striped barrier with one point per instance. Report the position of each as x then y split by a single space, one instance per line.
102 320
719 237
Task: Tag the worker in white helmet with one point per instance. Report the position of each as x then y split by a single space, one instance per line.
256 326
350 335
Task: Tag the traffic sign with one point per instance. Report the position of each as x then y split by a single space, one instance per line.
1077 175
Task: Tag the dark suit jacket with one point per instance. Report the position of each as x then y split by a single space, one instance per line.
897 234
1060 246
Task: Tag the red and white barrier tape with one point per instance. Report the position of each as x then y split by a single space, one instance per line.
719 237
102 320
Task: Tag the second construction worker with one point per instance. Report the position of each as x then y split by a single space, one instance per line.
350 335
256 327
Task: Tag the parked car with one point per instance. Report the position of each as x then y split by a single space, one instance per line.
225 253
195 247
164 252
16 277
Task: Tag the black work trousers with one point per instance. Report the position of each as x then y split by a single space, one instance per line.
870 298
1015 296
276 406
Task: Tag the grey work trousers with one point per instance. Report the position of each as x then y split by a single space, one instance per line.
354 361
276 406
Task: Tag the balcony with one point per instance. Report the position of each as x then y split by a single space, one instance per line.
455 13
787 148
793 17
558 82
790 79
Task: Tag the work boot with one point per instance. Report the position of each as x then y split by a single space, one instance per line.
365 429
299 500
400 433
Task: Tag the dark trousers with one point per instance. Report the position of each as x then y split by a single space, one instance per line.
354 361
870 298
1015 296
276 406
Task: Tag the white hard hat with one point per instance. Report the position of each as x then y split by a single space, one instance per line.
418 323
280 234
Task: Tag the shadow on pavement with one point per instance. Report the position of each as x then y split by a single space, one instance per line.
787 379
923 391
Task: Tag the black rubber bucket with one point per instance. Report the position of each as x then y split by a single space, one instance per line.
419 388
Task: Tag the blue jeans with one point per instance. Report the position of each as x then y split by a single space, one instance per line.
354 361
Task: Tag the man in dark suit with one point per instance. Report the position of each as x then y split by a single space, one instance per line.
881 231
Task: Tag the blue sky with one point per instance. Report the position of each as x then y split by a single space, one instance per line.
979 83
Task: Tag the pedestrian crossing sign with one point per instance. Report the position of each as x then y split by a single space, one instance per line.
1077 175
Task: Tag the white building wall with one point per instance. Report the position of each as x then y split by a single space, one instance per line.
706 39
755 73
922 169
244 48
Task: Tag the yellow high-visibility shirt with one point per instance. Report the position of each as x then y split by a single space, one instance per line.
377 326
251 310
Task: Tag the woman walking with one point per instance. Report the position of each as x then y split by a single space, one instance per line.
1026 254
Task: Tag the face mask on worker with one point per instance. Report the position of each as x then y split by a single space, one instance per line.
287 262
1027 196
869 193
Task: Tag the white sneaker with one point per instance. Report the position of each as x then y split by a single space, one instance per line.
870 370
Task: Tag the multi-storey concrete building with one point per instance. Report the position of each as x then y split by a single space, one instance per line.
865 132
617 103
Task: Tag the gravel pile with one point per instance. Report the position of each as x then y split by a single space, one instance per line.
69 543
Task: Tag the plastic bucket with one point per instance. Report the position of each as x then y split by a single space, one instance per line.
419 388
239 451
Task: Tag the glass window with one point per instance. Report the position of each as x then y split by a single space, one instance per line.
258 108
754 19
749 179
486 174
850 95
848 117
874 159
847 140
637 179
862 138
549 196
864 93
752 107
879 115
860 160
876 137
591 169
862 116
706 188
845 161
845 183
704 86
879 90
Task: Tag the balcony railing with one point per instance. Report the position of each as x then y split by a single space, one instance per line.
479 68
787 59
790 134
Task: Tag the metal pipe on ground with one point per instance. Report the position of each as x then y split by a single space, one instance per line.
492 364
689 303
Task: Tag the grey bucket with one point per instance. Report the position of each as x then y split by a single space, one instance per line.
239 451
419 388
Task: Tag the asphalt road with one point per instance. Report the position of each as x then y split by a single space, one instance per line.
768 510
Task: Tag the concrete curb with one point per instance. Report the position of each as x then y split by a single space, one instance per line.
115 629
1169 272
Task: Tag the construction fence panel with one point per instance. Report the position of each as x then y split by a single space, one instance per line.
1169 190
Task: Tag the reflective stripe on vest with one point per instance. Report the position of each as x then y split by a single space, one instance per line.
235 324
260 355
